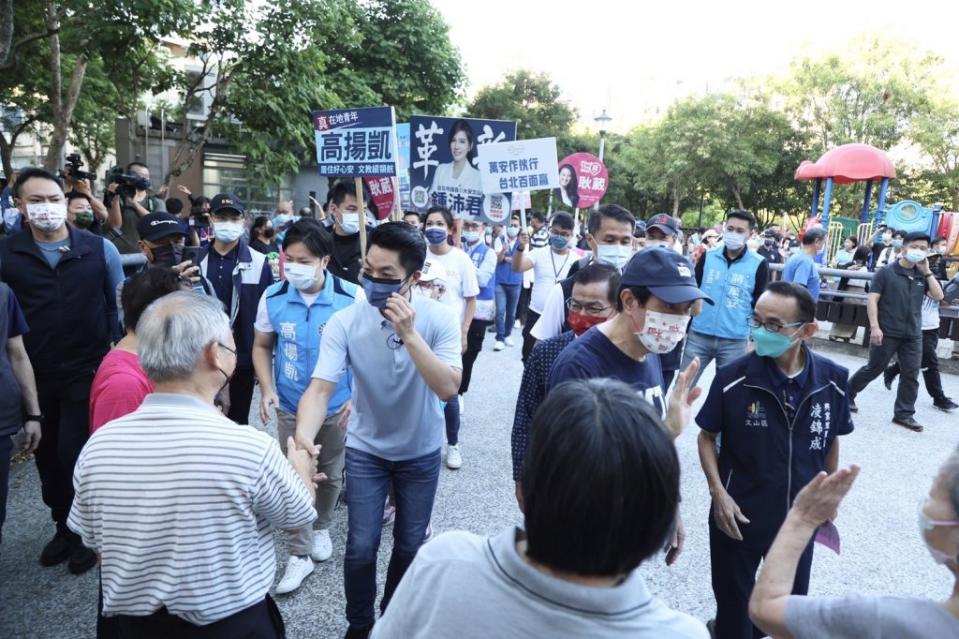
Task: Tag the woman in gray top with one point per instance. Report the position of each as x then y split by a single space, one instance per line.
781 614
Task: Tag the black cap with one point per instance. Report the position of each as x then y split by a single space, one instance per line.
667 274
665 223
225 203
640 229
157 226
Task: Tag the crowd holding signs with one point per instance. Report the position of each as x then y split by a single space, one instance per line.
363 346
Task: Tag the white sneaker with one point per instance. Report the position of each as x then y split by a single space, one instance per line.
297 569
322 545
498 346
453 458
517 324
509 342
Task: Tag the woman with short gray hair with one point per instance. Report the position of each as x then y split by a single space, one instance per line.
178 500
777 612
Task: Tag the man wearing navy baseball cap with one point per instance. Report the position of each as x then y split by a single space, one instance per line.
661 230
657 296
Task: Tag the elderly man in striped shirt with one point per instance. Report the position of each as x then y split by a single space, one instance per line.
178 500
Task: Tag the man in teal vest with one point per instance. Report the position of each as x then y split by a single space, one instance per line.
289 327
735 276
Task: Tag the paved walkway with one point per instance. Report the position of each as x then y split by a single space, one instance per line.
881 548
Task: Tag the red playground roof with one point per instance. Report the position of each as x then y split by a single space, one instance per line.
849 163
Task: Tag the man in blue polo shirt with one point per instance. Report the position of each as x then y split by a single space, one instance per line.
290 320
403 352
801 268
778 410
735 276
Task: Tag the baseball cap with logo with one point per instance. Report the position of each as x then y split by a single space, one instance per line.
156 226
667 274
665 223
226 204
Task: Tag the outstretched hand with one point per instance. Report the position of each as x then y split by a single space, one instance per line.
818 501
682 398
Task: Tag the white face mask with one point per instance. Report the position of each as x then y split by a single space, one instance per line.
302 277
663 243
614 254
350 223
662 331
733 241
47 216
227 232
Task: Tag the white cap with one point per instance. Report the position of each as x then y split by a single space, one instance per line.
433 270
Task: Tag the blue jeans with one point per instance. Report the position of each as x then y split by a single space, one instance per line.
708 348
367 479
507 297
451 412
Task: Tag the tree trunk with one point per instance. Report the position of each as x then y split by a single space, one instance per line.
6 30
739 197
61 106
6 156
675 200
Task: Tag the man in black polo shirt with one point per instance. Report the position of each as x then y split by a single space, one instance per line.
895 321
347 213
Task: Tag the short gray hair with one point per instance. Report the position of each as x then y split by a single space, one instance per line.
174 330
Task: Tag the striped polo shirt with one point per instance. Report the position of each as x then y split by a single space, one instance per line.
179 501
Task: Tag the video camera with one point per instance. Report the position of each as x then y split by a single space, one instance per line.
129 183
72 170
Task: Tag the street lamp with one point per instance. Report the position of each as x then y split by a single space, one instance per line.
602 121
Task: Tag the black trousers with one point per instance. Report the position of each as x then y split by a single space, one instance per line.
474 344
734 565
928 366
241 395
528 340
260 621
65 404
909 351
522 307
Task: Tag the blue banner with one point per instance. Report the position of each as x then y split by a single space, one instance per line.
356 142
443 164
403 144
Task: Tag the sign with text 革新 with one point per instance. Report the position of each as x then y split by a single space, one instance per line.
356 142
443 165
523 165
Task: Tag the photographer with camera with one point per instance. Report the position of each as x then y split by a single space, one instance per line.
201 232
130 200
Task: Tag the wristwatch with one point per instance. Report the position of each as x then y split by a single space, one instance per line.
34 418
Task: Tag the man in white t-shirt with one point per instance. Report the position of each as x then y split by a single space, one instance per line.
550 264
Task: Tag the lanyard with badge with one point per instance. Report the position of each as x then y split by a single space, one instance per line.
556 271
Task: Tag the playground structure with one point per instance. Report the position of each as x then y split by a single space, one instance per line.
851 163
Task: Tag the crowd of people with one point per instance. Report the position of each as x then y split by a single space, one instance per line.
135 390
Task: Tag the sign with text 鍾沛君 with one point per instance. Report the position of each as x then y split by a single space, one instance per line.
356 142
523 165
443 165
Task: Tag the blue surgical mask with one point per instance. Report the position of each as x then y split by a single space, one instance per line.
350 223
615 254
897 244
378 290
435 235
769 344
471 237
733 241
512 231
558 242
915 255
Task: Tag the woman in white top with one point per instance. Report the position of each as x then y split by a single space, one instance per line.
462 287
454 183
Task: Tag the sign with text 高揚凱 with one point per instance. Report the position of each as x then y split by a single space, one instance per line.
443 165
523 165
583 181
356 142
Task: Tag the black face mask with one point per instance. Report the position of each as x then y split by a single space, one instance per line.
169 255
270 232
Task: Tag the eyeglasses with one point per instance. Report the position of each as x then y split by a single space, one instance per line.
772 327
589 309
224 346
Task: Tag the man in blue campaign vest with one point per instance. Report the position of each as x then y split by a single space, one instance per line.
776 414
289 327
484 260
735 276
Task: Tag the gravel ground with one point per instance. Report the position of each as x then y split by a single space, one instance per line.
881 550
